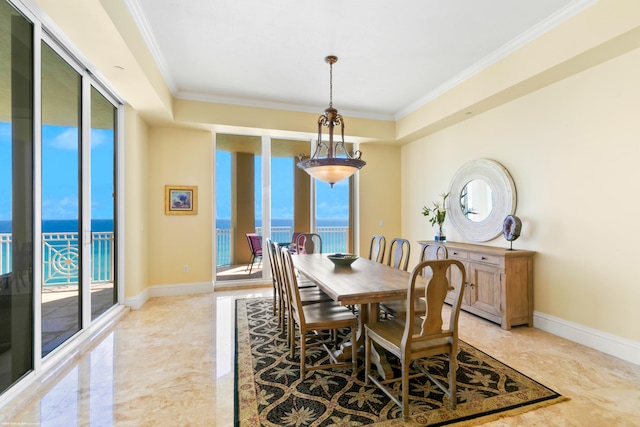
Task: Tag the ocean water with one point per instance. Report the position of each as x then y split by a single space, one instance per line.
64 225
320 222
71 225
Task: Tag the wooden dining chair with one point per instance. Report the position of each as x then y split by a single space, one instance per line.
309 294
277 293
308 243
398 308
316 318
399 252
418 337
377 248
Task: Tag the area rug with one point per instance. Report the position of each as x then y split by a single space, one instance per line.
269 392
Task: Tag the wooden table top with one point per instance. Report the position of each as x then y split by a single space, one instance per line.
364 282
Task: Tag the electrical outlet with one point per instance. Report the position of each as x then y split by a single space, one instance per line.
186 268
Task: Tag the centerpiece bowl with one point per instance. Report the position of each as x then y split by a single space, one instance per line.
342 260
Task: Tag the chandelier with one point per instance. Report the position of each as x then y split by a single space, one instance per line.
331 169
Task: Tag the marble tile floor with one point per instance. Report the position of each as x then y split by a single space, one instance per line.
171 363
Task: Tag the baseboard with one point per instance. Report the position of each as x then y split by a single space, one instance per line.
613 345
167 291
137 301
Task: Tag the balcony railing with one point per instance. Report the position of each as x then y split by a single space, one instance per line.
334 239
60 253
61 258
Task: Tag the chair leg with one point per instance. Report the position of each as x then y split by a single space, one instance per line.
275 298
354 353
453 369
291 332
250 266
303 360
405 389
367 359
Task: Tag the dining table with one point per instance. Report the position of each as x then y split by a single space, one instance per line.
364 284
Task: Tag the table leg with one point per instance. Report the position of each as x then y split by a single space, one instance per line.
367 313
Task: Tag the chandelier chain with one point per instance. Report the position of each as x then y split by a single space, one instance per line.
330 84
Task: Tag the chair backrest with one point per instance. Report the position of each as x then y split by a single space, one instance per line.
431 251
291 285
399 251
255 243
435 292
292 247
281 280
377 248
271 253
308 243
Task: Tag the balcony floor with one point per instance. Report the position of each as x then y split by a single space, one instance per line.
238 272
60 311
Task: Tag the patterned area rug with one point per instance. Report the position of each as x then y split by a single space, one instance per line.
269 391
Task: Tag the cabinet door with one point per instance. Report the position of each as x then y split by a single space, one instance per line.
483 291
454 280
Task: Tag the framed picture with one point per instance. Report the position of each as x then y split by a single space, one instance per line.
180 200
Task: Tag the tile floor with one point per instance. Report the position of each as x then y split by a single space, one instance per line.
171 363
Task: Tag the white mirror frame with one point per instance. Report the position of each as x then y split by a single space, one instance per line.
504 199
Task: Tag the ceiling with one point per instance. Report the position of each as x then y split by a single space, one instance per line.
394 56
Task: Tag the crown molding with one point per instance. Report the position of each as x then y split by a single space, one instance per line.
534 32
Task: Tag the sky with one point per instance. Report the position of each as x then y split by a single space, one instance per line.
60 173
60 180
332 203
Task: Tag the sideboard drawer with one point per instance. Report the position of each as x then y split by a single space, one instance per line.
458 254
484 258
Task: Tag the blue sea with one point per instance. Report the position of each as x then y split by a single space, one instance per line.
64 225
71 225
320 222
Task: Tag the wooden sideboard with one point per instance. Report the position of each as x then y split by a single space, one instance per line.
499 285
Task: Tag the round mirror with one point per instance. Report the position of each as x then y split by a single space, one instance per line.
481 195
476 200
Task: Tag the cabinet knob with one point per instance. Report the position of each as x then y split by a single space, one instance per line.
483 257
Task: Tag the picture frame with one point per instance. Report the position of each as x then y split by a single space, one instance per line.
180 200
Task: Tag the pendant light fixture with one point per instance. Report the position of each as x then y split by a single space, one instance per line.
331 169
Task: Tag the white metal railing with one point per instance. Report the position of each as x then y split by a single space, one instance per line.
223 237
334 239
5 253
60 258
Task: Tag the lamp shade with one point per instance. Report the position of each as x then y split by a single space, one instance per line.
331 169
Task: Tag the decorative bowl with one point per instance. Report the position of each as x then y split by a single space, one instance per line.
342 260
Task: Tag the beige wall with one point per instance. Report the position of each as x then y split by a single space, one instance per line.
180 157
379 201
572 149
136 203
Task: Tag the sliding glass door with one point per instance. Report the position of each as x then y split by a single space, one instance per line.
103 189
238 187
16 196
61 155
58 146
260 190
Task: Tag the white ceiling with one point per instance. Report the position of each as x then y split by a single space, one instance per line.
393 55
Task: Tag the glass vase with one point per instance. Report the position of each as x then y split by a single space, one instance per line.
440 234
